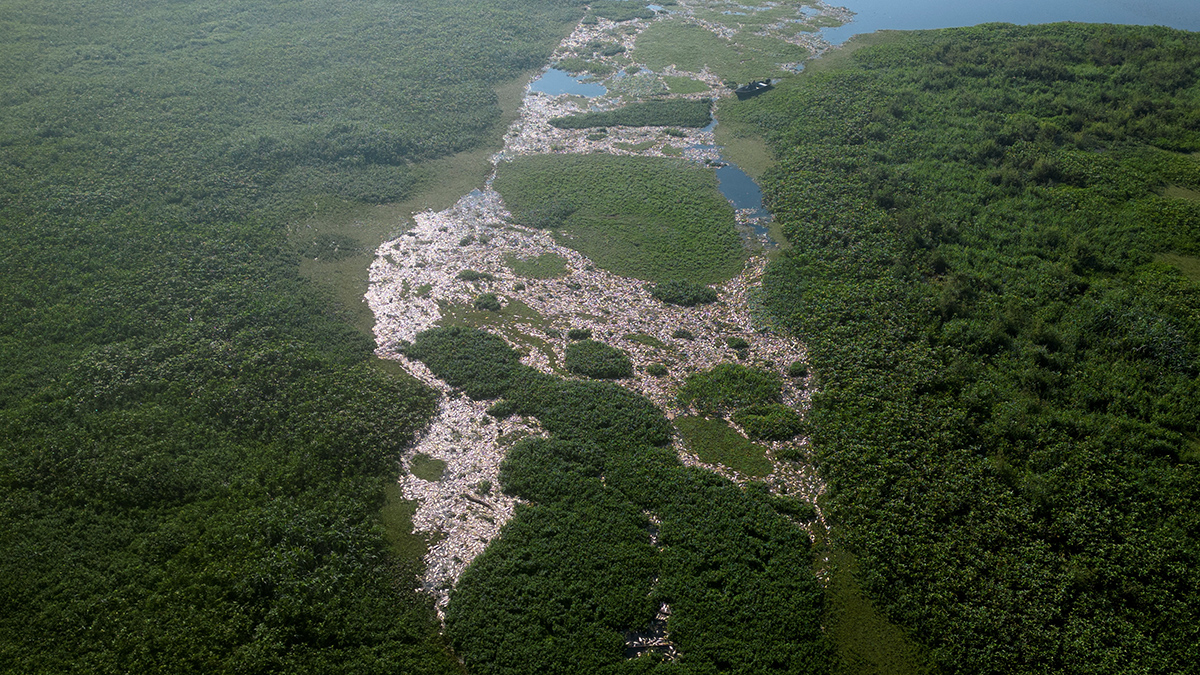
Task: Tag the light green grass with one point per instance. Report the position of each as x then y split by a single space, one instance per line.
396 517
1177 192
741 143
515 320
635 147
685 85
1189 265
693 48
650 218
715 442
545 266
428 468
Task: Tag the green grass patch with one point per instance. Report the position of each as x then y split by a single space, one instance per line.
649 218
396 517
514 320
1188 264
867 643
1177 192
427 468
684 85
672 151
577 66
544 266
716 442
693 48
636 84
678 113
636 147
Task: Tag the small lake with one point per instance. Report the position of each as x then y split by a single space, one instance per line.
873 15
556 82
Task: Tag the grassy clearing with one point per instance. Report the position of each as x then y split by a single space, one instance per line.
644 217
694 48
1177 192
442 182
396 517
684 85
545 266
867 643
716 442
742 144
636 147
428 468
1188 264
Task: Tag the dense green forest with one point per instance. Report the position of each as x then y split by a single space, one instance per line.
576 570
995 235
194 445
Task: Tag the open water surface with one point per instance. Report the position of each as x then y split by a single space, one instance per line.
556 82
873 15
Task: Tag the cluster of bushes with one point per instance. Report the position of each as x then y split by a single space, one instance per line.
596 359
575 570
730 385
992 285
672 113
683 293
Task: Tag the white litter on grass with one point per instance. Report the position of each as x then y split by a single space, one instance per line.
414 282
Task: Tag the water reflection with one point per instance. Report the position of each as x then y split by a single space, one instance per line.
556 82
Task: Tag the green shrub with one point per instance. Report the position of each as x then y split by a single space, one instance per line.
683 293
769 421
656 369
472 275
579 333
797 369
737 343
683 334
596 359
730 385
487 301
478 362
502 409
